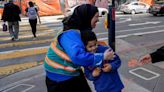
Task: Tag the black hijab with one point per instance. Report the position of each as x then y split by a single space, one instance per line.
81 17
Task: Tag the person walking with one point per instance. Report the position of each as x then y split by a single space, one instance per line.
67 53
32 13
11 14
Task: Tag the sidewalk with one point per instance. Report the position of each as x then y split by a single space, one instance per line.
32 80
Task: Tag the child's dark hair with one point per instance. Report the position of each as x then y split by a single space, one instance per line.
87 36
31 4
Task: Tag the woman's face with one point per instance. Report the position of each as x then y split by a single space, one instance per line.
94 20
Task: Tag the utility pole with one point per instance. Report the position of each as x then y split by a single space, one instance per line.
111 25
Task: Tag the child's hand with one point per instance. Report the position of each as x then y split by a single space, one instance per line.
96 72
107 67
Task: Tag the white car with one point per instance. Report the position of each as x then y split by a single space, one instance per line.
102 11
134 7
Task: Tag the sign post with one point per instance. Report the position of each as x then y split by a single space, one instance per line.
111 25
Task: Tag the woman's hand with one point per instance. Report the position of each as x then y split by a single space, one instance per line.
145 59
107 67
96 72
108 54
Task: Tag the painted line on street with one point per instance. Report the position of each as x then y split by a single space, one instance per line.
11 51
28 36
23 53
20 81
27 27
10 69
144 69
133 34
25 43
141 33
18 86
145 23
137 29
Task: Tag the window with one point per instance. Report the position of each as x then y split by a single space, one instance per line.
135 4
2 2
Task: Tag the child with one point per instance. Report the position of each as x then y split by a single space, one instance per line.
105 78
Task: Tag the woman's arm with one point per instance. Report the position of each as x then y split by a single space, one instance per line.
73 46
115 63
158 55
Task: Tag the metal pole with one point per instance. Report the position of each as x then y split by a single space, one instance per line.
20 4
111 25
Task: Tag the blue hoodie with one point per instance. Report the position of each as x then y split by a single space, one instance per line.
106 81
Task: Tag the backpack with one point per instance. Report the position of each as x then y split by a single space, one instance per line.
32 13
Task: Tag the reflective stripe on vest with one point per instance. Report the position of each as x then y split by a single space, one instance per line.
59 52
59 66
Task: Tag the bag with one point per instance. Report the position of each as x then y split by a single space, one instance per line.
4 27
32 14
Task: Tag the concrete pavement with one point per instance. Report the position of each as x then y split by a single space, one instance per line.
32 80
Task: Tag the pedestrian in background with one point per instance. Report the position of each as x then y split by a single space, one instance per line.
67 53
32 13
153 57
11 14
105 78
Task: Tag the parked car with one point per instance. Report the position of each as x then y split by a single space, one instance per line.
134 7
157 8
102 11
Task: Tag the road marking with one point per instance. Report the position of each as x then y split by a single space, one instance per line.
18 86
127 35
125 20
141 33
25 43
36 48
144 69
138 29
30 35
21 81
5 70
146 23
22 53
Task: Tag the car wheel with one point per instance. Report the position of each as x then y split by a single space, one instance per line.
133 12
103 13
124 13
155 14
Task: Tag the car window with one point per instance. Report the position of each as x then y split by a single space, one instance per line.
135 4
2 2
127 3
159 1
141 4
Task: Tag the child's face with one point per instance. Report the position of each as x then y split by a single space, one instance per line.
91 46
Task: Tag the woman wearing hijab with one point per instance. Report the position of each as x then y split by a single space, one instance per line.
67 53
